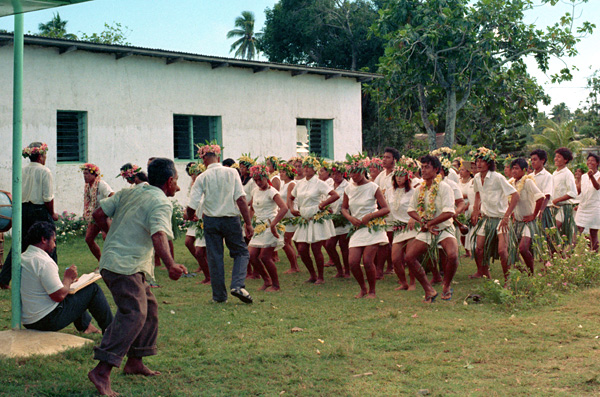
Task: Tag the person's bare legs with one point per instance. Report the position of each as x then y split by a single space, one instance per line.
354 256
100 377
526 254
398 261
503 253
319 260
382 254
135 366
203 264
413 252
330 247
290 252
594 239
482 271
90 238
267 258
450 248
369 254
343 240
304 251
258 266
390 264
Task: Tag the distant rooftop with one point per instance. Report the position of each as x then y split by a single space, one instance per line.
121 51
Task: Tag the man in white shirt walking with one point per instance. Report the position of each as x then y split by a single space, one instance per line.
37 199
224 200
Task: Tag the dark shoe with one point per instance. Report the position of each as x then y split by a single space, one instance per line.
242 295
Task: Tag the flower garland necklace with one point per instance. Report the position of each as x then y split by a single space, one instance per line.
521 184
426 211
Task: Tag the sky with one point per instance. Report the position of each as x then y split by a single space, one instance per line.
201 26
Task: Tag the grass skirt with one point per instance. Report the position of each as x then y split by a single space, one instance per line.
490 247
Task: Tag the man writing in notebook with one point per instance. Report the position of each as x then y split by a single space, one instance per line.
46 302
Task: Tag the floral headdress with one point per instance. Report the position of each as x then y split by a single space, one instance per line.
407 166
196 169
259 170
91 168
375 162
295 159
483 153
338 166
274 160
312 162
357 163
30 150
446 165
326 164
246 160
235 165
209 147
508 160
444 152
129 171
287 169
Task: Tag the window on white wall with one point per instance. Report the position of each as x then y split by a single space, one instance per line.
315 136
71 136
191 130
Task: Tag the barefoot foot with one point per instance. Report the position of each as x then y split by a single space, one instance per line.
402 287
361 295
370 295
92 330
412 287
319 281
311 280
135 366
273 288
100 377
265 286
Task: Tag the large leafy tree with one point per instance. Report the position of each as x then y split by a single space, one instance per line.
326 33
56 28
247 45
441 52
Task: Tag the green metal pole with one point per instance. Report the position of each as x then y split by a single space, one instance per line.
16 164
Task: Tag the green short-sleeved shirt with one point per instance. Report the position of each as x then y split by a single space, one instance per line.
137 213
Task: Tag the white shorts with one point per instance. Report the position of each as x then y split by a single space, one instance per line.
427 237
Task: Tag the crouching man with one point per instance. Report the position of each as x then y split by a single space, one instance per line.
141 220
46 304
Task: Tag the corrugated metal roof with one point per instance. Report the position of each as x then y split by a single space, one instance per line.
121 51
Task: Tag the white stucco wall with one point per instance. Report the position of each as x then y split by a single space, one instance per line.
130 105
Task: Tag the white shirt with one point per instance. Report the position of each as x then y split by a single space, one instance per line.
528 196
221 187
265 208
385 181
452 175
543 180
39 279
308 192
493 194
458 195
564 183
467 190
336 206
38 186
399 200
444 202
589 198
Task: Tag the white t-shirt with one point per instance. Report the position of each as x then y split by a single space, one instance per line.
444 202
262 202
527 199
39 279
564 183
399 201
493 193
38 186
221 187
308 192
543 180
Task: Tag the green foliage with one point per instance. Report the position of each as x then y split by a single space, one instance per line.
556 135
248 44
69 225
112 34
56 28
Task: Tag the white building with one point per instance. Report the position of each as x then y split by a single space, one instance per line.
111 104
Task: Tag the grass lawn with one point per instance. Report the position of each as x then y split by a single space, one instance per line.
395 345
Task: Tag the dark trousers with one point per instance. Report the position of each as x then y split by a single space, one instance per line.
31 214
74 309
217 229
135 327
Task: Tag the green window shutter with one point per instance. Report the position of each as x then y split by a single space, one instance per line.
181 136
71 136
191 130
214 127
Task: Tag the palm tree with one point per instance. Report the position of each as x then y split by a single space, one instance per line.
555 135
56 28
247 46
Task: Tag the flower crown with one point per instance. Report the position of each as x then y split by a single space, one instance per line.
446 165
91 168
274 160
246 160
259 170
338 166
357 163
41 150
407 166
312 162
443 152
196 169
209 147
483 153
288 169
327 165
508 160
375 162
130 173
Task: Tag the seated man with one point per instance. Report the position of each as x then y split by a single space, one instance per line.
45 300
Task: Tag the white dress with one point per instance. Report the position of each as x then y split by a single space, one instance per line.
399 200
265 210
199 242
467 190
308 194
336 208
362 201
191 231
283 192
588 213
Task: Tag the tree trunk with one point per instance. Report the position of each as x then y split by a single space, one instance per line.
425 118
451 110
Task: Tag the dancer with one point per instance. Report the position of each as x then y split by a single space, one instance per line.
95 190
543 180
269 209
133 174
272 162
385 182
141 221
491 201
361 199
375 168
564 193
589 204
432 206
314 223
245 162
341 224
325 172
287 172
37 199
526 211
403 226
194 238
466 187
